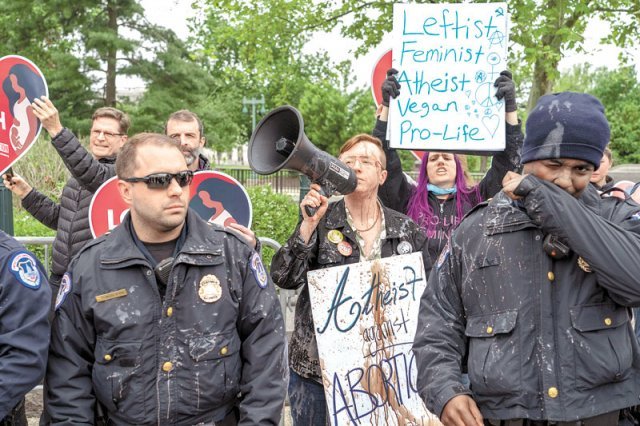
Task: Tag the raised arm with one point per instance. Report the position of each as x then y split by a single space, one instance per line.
87 170
509 159
396 190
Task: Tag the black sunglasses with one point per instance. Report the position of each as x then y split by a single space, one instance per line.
163 180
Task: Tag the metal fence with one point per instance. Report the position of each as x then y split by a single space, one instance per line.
283 181
288 181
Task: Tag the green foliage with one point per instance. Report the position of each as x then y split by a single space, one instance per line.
176 81
257 49
619 91
332 115
274 216
43 169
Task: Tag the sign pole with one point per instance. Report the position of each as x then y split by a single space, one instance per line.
6 210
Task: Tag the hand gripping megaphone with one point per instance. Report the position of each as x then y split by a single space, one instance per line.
278 142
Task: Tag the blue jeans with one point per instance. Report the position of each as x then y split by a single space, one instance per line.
308 404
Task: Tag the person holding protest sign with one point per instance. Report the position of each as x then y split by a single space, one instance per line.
526 297
356 228
24 327
186 127
168 319
443 193
89 170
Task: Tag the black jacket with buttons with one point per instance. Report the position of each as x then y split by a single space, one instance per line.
188 358
291 263
25 298
544 338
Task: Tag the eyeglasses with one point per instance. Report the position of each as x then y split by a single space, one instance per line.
364 161
107 135
163 180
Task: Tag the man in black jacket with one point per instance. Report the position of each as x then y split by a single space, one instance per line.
24 328
89 170
168 319
526 295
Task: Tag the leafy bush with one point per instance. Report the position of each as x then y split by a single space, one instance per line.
43 169
274 216
25 225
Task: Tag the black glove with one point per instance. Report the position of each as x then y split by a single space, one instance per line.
390 87
507 90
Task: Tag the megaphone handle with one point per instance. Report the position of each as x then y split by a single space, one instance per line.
312 210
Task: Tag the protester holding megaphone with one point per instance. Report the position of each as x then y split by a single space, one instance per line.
444 192
356 228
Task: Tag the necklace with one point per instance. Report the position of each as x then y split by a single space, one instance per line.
372 225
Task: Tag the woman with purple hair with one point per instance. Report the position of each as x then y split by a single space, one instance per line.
445 192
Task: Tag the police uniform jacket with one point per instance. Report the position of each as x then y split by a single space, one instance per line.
397 190
24 325
545 338
216 340
70 217
291 263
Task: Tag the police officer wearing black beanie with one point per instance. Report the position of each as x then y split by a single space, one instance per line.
525 295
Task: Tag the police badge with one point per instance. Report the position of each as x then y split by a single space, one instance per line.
210 290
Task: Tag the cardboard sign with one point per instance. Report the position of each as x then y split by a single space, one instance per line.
378 76
22 82
365 320
216 197
449 56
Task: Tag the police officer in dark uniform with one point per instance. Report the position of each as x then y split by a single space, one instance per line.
534 289
168 319
24 327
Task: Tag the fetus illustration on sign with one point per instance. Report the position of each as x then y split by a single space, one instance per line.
220 201
21 87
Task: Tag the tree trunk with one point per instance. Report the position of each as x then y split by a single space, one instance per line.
541 85
110 90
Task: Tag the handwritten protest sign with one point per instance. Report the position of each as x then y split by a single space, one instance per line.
378 76
215 196
21 82
365 318
449 56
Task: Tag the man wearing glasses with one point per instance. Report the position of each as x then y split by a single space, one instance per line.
89 170
168 319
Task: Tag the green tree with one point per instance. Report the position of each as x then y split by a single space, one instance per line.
619 91
545 31
542 32
80 44
176 81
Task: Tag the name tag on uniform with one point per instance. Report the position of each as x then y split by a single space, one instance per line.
112 295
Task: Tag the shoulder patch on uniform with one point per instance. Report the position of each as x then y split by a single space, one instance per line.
258 270
444 254
25 268
65 288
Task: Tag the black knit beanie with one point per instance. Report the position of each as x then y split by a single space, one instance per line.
566 125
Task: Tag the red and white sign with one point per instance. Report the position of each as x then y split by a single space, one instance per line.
215 196
22 82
